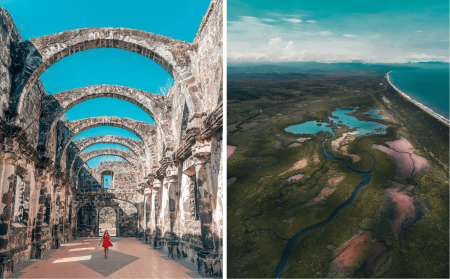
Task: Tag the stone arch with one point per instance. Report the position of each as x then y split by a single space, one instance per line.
128 156
134 145
83 203
41 53
59 103
98 203
146 132
137 147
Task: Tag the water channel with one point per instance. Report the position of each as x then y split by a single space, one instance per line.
363 128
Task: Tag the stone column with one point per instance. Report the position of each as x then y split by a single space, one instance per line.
152 213
147 211
118 221
208 256
39 245
8 184
158 229
171 237
204 205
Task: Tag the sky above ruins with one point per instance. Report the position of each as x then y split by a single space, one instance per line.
338 31
177 19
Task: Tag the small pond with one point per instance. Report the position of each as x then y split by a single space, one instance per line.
340 116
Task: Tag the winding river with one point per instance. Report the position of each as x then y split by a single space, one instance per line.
291 242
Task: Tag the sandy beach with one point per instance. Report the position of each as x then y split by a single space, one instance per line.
425 108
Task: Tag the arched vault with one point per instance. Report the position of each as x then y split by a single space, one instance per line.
56 105
127 155
41 53
146 132
134 145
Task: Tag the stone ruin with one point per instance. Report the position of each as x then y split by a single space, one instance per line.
167 191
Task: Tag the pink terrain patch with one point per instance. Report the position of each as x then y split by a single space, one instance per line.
295 177
360 248
335 180
403 145
230 150
420 163
325 192
352 251
404 164
402 209
298 165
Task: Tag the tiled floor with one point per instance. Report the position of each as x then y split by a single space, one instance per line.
84 258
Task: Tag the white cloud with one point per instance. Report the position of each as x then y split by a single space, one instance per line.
311 21
294 20
316 50
424 56
418 31
274 43
252 38
269 19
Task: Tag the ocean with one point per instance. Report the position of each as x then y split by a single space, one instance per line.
428 86
426 82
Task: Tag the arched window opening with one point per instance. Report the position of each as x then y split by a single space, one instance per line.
107 179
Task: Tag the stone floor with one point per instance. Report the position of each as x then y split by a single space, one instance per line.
84 258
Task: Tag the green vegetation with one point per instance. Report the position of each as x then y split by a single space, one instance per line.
265 211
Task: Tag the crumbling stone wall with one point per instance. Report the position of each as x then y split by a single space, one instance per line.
9 41
209 56
124 178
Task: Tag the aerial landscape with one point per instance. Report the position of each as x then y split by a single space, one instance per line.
338 153
338 177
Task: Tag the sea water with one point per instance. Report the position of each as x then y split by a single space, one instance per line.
428 86
362 127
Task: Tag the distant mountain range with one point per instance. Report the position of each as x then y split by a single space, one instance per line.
251 67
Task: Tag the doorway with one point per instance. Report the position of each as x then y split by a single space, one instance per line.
107 220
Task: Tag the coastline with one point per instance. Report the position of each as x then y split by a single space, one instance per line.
424 108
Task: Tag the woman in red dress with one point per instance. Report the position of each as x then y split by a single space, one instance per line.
106 239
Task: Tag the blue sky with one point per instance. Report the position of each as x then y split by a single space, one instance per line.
177 19
338 31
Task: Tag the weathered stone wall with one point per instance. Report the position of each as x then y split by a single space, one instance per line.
9 41
124 178
209 59
10 52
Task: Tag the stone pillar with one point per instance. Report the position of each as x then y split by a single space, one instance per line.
158 229
148 202
171 237
208 258
8 184
151 213
118 221
204 201
39 246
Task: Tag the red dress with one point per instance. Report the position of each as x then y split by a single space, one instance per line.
106 242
